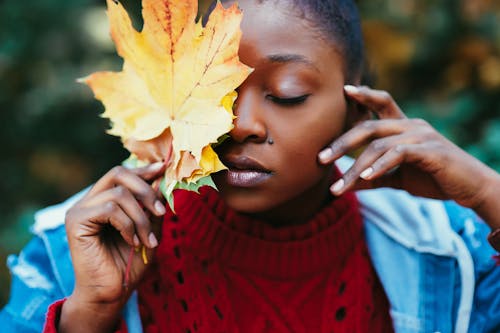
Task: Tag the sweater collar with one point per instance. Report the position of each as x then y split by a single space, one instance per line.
243 243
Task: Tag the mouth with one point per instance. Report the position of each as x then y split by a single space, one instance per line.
245 171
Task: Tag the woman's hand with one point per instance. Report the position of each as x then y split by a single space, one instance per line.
103 227
409 154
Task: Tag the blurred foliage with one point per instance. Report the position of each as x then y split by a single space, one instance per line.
439 59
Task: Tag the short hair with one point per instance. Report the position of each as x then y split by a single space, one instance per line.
339 22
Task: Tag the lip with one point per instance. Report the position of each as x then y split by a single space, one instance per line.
244 171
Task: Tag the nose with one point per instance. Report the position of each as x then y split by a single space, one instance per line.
249 124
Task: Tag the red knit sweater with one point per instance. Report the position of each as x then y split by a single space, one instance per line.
217 271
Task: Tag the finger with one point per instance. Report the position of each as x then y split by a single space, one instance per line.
361 135
378 101
128 203
363 166
429 157
135 181
386 171
133 264
389 161
111 177
151 171
107 213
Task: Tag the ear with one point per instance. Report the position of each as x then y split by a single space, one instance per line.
356 113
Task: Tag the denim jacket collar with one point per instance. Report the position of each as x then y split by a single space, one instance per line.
401 231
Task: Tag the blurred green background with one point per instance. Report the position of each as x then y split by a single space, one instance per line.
439 59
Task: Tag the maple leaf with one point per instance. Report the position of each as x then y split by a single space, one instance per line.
174 95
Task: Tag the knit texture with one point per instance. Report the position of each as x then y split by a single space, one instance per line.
218 271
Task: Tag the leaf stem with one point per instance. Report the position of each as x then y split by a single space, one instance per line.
127 269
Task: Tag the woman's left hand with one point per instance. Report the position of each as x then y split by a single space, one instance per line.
410 154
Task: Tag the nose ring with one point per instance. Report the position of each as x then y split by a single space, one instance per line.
270 141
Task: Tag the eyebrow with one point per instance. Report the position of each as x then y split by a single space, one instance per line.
290 58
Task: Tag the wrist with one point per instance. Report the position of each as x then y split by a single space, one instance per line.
88 316
489 207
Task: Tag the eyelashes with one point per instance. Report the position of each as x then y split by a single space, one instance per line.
292 101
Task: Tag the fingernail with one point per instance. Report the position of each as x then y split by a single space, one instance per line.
325 155
351 89
160 209
153 242
367 173
155 166
338 186
136 240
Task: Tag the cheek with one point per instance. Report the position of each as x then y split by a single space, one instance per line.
305 134
330 122
300 144
299 136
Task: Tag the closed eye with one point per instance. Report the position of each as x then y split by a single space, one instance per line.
292 101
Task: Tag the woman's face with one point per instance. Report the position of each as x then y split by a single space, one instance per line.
289 108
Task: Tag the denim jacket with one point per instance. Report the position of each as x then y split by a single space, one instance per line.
431 257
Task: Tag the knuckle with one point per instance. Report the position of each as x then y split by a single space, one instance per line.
379 145
386 97
400 149
428 134
127 226
380 164
117 171
111 207
425 130
74 214
338 144
147 194
420 122
149 198
69 217
368 125
350 175
141 220
120 191
441 146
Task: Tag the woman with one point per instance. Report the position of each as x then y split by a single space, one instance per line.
286 246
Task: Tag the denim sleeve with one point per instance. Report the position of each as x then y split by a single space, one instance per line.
485 317
33 289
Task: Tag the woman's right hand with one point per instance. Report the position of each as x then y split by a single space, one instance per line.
114 217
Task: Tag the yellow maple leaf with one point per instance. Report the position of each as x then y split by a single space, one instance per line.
174 95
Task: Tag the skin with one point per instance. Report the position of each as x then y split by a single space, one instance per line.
102 228
289 61
409 154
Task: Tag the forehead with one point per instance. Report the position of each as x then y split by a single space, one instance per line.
275 27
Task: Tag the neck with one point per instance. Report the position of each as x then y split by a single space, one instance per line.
300 209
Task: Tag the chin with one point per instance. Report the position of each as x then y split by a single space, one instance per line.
247 203
242 200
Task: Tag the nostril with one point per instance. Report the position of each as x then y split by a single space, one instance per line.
246 138
249 125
